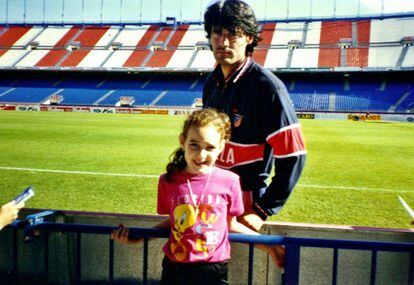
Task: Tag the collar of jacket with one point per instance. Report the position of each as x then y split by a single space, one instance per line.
238 72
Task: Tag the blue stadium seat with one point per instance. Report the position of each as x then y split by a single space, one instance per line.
28 95
179 98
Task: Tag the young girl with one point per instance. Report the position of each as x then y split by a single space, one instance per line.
202 201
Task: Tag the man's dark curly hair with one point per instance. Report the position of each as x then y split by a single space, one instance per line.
232 15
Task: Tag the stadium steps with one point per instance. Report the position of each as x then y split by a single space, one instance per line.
52 58
194 84
289 58
33 38
146 83
354 29
74 58
304 34
178 35
3 30
99 85
332 101
158 98
7 92
292 85
402 56
21 58
383 85
63 58
190 62
147 58
151 35
108 46
73 34
399 102
343 57
167 34
107 58
103 97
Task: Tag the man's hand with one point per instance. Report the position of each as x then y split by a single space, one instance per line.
252 220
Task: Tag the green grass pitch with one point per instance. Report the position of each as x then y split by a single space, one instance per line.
110 163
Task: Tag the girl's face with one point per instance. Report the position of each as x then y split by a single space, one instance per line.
202 146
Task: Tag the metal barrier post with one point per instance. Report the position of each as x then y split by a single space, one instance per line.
46 264
251 253
14 272
78 259
111 261
373 267
145 263
335 266
292 261
411 269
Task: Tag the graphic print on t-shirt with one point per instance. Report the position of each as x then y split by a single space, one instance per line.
199 221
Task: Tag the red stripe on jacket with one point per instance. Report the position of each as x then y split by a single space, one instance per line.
287 141
238 154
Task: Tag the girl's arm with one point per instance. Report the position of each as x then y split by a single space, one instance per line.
121 234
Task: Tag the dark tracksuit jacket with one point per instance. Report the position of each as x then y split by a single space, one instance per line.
265 133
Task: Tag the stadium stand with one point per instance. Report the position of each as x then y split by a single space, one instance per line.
322 46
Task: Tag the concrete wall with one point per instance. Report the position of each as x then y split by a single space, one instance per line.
315 263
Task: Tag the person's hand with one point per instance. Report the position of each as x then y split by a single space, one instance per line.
278 253
251 219
121 235
8 213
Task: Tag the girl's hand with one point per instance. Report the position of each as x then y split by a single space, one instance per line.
121 235
8 213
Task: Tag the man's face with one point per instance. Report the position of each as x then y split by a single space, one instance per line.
229 49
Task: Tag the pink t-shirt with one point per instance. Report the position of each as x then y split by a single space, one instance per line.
199 233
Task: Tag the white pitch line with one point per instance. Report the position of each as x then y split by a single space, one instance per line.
406 207
356 188
156 176
79 172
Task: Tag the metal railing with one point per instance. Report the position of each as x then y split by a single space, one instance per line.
37 222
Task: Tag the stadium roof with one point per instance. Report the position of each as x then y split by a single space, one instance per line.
150 11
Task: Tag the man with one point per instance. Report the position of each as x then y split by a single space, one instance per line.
265 130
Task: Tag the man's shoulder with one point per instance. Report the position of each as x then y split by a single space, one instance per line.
209 81
264 76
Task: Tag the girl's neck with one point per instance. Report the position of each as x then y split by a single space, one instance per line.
199 174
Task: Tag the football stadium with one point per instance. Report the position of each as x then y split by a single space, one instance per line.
93 95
